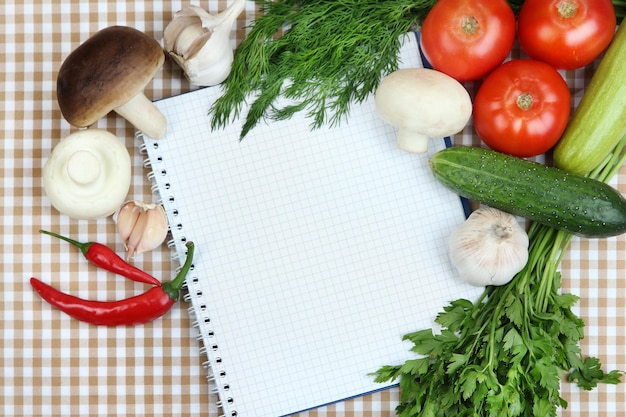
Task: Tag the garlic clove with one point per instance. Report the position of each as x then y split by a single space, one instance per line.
142 226
186 44
136 235
489 248
200 42
126 218
203 69
154 231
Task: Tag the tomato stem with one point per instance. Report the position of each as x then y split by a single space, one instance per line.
525 101
567 9
469 25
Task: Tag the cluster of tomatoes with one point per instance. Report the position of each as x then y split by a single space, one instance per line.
522 107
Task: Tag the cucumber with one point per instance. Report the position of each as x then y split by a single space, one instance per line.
546 195
599 121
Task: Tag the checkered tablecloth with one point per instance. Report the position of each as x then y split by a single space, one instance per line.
52 365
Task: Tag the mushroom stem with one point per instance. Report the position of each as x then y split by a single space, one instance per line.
83 167
143 114
413 142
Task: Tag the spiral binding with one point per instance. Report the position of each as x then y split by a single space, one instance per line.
216 374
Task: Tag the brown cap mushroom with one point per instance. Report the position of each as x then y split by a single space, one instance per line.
109 72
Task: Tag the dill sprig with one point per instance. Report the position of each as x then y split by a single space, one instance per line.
320 55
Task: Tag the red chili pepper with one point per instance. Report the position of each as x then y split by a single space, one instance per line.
139 309
104 257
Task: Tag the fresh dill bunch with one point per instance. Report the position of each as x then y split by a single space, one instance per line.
320 55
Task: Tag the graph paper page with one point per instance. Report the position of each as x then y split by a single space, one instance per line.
316 250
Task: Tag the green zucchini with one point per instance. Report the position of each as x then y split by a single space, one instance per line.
599 121
546 195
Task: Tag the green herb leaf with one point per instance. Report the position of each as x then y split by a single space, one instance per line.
415 367
565 300
424 341
544 407
515 310
470 378
512 339
387 373
590 373
457 361
455 314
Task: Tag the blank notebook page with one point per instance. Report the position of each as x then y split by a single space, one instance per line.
316 250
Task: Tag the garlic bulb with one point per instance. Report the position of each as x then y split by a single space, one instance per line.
200 42
489 248
142 226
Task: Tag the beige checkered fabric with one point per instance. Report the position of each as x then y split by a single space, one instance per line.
55 366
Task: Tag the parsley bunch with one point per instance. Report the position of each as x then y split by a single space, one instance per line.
505 354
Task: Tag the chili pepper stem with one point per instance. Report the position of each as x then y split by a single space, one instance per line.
173 287
84 247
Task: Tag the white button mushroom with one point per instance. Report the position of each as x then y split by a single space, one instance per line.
88 174
422 103
108 72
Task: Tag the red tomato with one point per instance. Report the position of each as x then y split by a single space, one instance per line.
467 39
522 108
567 34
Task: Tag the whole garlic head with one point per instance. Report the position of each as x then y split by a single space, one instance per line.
200 42
489 248
142 226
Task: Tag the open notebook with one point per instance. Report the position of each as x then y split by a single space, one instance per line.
316 251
